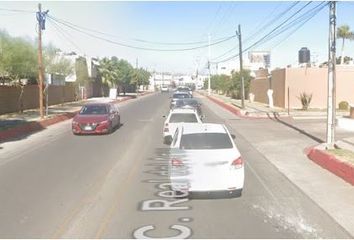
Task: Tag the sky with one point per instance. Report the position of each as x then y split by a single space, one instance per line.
159 25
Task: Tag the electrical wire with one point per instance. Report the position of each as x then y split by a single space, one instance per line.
262 28
133 39
297 28
138 47
269 23
64 35
266 37
312 12
16 10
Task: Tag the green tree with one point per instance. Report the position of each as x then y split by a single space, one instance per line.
344 33
81 71
125 74
56 64
236 83
140 77
18 59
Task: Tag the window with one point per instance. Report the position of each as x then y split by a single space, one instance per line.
183 117
181 95
206 141
94 109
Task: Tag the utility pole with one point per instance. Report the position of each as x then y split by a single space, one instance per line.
209 85
41 26
331 100
238 33
137 63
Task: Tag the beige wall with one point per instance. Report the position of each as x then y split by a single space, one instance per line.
310 80
258 87
278 86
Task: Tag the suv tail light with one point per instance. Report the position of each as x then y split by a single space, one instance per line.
166 128
176 163
237 163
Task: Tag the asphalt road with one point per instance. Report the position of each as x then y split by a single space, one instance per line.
57 185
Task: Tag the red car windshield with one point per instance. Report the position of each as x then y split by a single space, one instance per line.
94 110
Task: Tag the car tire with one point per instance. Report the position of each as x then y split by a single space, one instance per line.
167 141
118 125
237 193
110 128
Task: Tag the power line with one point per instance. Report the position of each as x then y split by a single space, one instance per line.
269 23
132 39
63 34
264 38
16 10
302 22
263 27
138 47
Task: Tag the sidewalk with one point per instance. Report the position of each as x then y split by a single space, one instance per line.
14 125
282 142
333 162
262 110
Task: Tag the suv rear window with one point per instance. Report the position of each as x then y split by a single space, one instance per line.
180 95
183 117
206 141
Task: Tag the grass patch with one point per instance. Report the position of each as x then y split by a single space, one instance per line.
343 154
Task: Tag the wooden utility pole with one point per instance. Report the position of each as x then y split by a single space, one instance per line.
331 100
238 33
209 76
40 61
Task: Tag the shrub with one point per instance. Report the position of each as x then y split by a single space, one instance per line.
305 100
343 105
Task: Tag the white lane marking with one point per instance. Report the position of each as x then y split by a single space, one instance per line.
185 232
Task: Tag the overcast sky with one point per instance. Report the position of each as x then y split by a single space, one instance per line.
131 23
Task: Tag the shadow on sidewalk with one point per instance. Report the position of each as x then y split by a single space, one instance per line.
276 118
20 131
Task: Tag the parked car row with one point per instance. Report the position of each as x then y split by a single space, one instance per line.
203 156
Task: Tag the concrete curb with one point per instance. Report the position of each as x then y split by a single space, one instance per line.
36 126
341 169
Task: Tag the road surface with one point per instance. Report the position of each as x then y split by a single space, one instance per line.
57 185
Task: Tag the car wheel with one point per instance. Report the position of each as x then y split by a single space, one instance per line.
237 193
166 140
110 128
118 125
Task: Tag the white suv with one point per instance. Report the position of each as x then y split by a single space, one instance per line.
177 116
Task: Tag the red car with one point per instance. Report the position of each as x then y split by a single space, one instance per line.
96 118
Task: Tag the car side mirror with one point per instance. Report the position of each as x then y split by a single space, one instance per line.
233 136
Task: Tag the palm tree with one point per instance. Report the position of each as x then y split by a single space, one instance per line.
344 32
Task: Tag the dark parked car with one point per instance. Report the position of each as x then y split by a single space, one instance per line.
193 103
178 95
96 118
